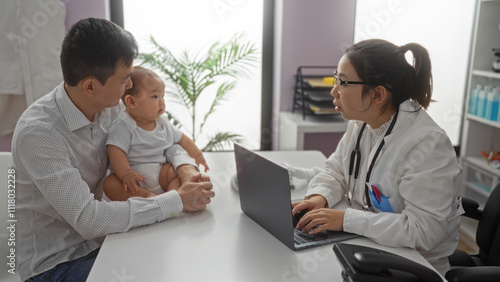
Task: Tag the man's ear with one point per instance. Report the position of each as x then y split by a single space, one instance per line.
89 86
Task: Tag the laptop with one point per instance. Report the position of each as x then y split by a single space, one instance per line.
265 197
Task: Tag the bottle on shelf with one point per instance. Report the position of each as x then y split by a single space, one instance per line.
495 111
484 102
488 112
473 99
481 101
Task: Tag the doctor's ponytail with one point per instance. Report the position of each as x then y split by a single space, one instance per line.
379 62
422 84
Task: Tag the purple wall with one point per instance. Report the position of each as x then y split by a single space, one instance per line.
77 10
5 143
307 33
313 33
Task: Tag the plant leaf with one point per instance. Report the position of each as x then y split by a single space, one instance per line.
220 96
220 139
187 77
232 58
173 120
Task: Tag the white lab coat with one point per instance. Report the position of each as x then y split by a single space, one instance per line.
31 35
417 168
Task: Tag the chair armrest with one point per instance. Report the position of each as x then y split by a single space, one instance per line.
471 208
474 274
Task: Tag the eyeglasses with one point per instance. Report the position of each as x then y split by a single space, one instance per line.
339 82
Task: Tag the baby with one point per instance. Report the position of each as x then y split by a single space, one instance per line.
139 140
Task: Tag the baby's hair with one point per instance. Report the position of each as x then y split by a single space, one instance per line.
140 77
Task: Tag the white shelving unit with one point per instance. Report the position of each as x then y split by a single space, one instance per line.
480 134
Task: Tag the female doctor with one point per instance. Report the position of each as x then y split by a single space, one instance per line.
395 168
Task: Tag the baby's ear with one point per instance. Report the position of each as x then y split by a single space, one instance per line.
129 101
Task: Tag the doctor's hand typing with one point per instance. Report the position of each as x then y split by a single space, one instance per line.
318 216
314 202
320 220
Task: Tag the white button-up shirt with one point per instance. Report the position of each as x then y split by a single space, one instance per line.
60 160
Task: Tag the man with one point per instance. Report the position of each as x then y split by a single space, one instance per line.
60 159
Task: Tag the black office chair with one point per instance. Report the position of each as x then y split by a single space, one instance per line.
484 266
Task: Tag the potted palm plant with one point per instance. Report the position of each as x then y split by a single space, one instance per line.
188 77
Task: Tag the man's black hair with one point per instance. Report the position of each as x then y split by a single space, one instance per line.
93 48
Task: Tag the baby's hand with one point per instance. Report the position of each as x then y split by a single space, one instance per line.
131 181
200 160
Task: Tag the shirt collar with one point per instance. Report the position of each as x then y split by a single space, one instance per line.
407 113
380 131
74 118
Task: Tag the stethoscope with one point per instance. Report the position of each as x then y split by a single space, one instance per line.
356 160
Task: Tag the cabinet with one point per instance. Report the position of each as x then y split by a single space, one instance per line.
313 85
293 132
479 132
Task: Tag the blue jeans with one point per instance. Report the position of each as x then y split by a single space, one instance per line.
72 271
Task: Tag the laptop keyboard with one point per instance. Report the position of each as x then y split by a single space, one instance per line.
301 238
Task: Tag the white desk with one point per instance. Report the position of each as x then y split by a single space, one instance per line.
220 243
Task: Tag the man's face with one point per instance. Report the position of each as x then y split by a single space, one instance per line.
110 93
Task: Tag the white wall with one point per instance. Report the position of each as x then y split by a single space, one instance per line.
444 27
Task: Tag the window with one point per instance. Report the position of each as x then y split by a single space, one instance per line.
195 25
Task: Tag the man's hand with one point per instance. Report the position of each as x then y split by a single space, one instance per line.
195 195
186 171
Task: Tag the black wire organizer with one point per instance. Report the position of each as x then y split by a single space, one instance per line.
312 94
